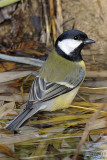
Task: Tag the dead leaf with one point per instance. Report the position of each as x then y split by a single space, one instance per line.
9 65
6 150
2 69
6 108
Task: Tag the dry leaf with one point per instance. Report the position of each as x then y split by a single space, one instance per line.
6 108
9 65
8 76
6 150
2 69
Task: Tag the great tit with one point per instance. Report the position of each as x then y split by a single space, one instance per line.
59 78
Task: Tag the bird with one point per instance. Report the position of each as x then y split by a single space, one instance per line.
59 79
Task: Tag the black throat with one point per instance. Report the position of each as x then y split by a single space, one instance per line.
73 56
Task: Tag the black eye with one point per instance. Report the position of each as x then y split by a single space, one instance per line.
76 37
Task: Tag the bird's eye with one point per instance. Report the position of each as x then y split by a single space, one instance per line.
76 37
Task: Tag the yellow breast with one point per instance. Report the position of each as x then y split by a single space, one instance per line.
64 100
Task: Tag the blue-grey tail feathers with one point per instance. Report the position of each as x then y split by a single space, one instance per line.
21 119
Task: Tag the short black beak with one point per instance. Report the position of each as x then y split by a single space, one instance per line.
88 41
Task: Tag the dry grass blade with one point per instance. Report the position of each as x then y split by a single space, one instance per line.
60 119
33 51
98 124
87 106
40 150
8 76
18 138
25 60
52 16
22 93
46 22
87 130
84 108
100 90
34 136
59 19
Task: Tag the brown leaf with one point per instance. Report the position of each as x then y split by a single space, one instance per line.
2 69
16 84
6 150
9 65
6 108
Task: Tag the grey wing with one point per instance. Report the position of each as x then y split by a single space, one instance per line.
44 91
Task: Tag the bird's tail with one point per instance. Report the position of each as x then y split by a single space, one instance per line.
21 119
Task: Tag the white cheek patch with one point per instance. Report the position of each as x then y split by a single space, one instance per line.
69 45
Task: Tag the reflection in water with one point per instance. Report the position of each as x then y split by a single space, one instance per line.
97 151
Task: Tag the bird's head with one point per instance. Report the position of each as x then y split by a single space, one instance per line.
70 43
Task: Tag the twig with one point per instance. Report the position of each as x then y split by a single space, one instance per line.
31 61
87 130
59 20
52 15
47 24
67 21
